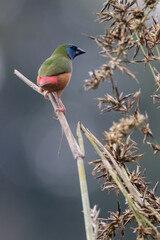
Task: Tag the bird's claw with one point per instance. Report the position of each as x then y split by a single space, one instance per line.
55 118
60 110
46 94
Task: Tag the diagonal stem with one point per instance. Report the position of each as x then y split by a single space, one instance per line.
62 119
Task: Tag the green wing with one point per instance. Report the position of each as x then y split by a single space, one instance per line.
55 65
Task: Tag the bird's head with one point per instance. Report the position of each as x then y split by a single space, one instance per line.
70 50
73 51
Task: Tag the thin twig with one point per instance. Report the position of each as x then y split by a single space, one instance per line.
65 126
27 81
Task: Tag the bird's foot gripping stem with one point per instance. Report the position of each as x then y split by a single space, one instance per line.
60 110
46 94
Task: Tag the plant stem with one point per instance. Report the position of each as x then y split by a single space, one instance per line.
146 203
157 49
144 53
84 189
85 199
75 149
113 174
140 218
78 153
128 184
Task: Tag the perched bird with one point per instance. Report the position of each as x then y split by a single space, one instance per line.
55 72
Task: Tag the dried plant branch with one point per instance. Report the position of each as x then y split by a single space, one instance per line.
62 119
128 32
128 184
127 28
27 81
130 192
78 153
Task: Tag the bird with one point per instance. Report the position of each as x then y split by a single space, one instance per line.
55 72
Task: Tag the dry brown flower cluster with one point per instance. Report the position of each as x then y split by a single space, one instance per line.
119 103
128 28
116 222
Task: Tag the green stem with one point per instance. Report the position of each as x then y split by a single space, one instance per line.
158 52
144 53
84 189
157 49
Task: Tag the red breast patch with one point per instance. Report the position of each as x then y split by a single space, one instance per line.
41 81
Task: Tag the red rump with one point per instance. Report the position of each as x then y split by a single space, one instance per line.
41 81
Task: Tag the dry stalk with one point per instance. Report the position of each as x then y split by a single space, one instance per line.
77 152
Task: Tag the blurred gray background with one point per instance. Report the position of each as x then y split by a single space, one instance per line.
39 192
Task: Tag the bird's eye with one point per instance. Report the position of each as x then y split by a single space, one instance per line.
73 47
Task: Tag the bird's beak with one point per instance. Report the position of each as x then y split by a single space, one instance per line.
79 51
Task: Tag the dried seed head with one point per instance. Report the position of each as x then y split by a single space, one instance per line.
127 28
121 129
96 76
138 13
150 3
119 103
126 20
146 131
155 147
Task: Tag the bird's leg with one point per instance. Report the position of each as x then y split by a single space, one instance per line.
62 109
46 94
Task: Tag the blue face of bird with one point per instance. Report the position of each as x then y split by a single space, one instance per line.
74 51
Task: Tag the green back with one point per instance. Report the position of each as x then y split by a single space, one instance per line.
58 63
